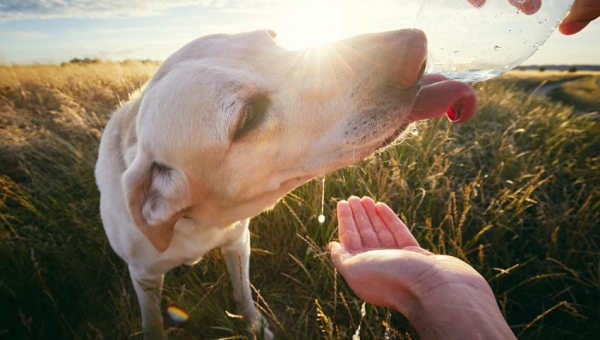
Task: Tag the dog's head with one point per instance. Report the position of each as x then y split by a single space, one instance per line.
230 123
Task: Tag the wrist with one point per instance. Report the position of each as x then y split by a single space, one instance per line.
457 312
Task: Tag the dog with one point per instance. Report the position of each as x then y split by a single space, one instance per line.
231 123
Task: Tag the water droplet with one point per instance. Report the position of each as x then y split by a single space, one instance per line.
321 219
496 48
414 131
509 31
455 51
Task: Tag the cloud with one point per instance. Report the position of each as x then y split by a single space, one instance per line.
100 30
102 9
50 9
22 35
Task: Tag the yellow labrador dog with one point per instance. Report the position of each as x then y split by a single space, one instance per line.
231 123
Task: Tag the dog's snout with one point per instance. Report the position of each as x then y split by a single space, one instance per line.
398 55
407 64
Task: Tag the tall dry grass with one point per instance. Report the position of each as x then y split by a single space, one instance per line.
515 192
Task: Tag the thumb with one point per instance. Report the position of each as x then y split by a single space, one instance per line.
339 254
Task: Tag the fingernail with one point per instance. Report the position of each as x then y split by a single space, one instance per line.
452 114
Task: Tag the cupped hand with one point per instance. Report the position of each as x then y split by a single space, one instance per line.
384 265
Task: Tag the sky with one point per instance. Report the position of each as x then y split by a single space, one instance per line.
54 31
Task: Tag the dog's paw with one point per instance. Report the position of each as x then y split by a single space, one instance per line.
260 328
265 334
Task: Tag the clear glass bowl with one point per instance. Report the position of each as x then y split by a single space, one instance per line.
472 43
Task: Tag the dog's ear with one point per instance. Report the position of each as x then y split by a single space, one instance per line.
157 196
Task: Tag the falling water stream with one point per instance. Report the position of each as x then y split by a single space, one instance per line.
321 217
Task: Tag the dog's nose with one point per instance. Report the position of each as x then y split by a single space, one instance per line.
407 62
399 56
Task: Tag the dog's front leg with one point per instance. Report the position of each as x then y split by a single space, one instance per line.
148 288
237 258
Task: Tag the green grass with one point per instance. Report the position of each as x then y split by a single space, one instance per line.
578 89
515 192
583 92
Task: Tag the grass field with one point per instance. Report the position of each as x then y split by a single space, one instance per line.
579 89
515 192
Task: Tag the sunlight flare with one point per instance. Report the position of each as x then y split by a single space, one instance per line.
313 23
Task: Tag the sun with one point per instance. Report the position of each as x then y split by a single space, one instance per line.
311 23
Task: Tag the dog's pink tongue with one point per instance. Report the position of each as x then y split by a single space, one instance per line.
439 96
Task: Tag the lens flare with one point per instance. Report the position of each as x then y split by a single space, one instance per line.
177 315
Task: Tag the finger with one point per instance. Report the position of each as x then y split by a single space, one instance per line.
528 7
570 28
434 100
581 14
347 230
401 233
477 3
386 239
363 225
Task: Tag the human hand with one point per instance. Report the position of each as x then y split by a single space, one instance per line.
581 14
526 6
384 265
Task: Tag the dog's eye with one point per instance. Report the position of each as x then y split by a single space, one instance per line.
254 114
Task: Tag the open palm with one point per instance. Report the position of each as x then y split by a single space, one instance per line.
384 264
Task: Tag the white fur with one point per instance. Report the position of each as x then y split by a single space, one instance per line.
174 184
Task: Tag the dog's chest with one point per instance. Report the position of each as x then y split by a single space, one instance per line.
191 242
